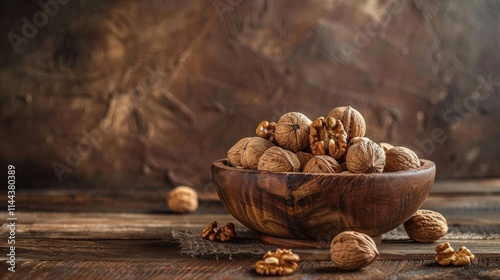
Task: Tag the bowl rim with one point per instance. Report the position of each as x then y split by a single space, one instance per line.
425 165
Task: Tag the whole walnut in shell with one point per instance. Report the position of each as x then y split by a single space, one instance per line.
401 158
292 131
351 250
246 152
303 158
353 121
182 199
426 226
322 164
276 159
365 157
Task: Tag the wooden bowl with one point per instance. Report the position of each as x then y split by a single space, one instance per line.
318 206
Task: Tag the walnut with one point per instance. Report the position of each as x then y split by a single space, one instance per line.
266 130
386 146
303 158
426 226
322 164
276 159
328 137
400 158
446 255
351 250
292 131
246 152
365 157
356 140
281 262
182 199
209 230
223 234
353 121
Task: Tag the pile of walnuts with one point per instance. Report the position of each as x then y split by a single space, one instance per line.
332 144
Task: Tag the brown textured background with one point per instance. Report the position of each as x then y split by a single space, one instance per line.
169 87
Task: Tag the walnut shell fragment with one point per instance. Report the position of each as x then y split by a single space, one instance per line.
353 121
322 164
401 158
292 131
328 137
277 159
247 151
365 157
281 262
351 250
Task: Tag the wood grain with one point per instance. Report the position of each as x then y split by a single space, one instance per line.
319 206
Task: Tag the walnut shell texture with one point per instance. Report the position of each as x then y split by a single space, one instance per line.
247 152
353 121
234 154
401 158
182 199
276 159
322 164
351 250
365 157
386 146
303 158
426 226
292 131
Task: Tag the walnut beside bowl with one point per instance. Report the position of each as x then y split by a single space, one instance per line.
316 206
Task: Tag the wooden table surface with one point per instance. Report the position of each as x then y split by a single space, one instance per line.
98 234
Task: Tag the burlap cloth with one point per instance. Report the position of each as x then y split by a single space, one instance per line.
247 241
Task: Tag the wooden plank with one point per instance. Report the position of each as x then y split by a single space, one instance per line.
158 226
482 186
158 250
243 269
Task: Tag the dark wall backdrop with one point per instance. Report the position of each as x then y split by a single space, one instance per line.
151 92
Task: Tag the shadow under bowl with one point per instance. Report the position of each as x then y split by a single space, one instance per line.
318 206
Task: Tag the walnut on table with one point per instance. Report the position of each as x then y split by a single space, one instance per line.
223 234
446 255
281 262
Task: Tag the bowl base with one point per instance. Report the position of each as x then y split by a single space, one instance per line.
302 244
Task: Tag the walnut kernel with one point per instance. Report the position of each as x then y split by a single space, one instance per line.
446 255
328 137
266 130
281 262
